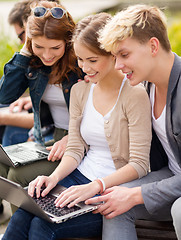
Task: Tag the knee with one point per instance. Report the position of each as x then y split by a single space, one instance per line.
176 211
19 218
40 229
4 170
15 176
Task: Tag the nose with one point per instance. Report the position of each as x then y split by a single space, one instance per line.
119 65
47 54
85 67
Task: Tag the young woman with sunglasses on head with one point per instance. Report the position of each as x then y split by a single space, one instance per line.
46 65
110 120
16 127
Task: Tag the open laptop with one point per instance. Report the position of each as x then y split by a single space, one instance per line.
41 207
22 153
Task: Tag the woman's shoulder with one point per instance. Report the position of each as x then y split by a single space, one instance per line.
19 60
137 89
81 86
80 91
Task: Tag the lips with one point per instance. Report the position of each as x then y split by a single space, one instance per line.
129 74
91 74
48 60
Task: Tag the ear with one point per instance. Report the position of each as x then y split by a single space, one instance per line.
154 45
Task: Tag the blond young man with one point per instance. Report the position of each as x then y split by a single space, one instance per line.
138 39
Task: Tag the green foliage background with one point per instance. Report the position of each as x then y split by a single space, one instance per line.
174 33
7 48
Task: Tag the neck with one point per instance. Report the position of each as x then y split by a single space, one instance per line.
163 70
112 81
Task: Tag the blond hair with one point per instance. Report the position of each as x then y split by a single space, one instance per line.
140 22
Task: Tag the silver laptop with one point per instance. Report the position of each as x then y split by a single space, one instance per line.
41 207
22 153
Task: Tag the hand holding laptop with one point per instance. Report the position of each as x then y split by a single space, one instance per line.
58 149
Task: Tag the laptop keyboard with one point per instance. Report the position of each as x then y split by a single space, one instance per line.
48 205
28 155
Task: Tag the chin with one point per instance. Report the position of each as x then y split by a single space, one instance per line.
48 64
133 83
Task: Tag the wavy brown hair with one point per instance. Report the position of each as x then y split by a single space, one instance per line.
52 28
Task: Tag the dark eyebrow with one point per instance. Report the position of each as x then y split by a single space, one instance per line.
86 58
51 47
60 45
118 52
91 58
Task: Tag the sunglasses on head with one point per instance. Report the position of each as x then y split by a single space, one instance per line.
56 12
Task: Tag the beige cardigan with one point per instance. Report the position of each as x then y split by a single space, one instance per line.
128 130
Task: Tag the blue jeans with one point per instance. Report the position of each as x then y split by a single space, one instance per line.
24 225
122 227
13 135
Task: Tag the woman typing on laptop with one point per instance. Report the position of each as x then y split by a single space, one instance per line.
110 121
46 65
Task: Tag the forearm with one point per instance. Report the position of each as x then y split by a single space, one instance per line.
23 120
161 193
122 175
66 166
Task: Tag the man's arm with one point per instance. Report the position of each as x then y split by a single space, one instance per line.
156 195
23 120
159 194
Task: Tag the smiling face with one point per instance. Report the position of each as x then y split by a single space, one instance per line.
48 50
135 59
97 67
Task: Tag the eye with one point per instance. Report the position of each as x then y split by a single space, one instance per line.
124 55
37 46
79 59
93 61
56 48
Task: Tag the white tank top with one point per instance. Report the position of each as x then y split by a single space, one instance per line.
98 161
159 127
53 96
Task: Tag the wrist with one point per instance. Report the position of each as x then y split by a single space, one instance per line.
137 195
54 178
4 118
101 183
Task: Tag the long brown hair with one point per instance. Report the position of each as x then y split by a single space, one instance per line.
52 28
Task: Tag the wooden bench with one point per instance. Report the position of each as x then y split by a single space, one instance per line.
149 230
154 230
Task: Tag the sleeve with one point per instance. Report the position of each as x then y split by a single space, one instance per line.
14 83
138 112
162 193
76 146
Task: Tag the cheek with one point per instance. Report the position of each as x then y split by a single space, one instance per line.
35 51
80 64
106 66
61 52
